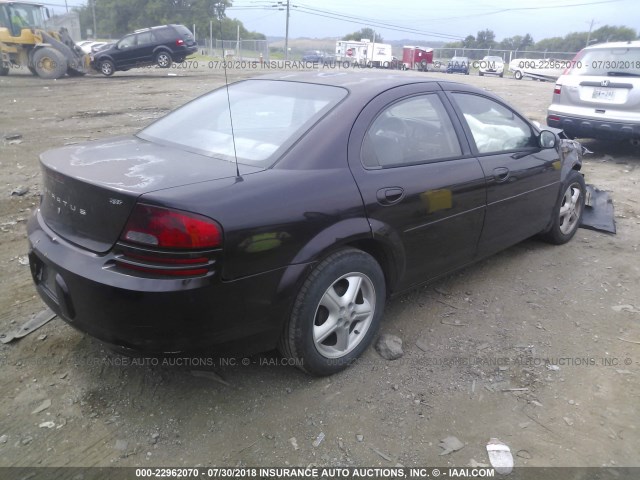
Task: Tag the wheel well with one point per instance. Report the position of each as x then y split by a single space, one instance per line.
382 256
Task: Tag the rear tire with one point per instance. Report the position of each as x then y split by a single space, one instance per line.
567 214
517 75
4 71
164 60
49 63
336 313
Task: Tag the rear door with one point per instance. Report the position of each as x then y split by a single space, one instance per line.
422 189
145 44
523 180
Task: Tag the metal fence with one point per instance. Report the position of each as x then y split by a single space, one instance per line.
234 49
507 55
70 21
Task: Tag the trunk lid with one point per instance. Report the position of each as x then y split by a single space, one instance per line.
90 189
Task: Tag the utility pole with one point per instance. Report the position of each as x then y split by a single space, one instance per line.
280 6
590 28
95 28
286 37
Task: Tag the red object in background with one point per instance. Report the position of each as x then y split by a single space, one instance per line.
417 58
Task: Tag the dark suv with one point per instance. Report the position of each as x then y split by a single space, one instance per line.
160 45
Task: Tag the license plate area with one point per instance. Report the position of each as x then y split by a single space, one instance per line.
606 94
43 276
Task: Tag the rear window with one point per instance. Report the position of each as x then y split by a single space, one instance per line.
165 34
607 62
268 117
183 31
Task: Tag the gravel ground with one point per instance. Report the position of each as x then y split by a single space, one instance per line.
532 346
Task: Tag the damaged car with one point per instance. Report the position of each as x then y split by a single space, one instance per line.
284 211
598 96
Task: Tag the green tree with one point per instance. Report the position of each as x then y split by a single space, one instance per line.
469 42
367 33
486 39
575 41
517 42
115 18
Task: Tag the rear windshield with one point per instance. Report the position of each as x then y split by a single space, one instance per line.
268 117
182 30
607 62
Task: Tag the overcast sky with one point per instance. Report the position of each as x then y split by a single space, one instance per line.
426 20
437 20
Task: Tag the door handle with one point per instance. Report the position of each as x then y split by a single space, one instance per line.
501 174
390 195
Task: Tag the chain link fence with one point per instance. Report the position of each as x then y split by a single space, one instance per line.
234 49
507 55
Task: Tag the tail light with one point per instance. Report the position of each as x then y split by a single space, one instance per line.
164 228
168 243
179 42
557 89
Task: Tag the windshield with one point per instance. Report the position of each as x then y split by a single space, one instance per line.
24 15
607 61
268 117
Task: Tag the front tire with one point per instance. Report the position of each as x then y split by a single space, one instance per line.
517 75
49 63
107 68
567 214
336 314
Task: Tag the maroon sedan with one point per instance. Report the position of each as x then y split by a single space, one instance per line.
287 212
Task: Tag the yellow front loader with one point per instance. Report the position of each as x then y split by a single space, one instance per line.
25 41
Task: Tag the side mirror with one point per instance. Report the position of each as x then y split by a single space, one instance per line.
547 139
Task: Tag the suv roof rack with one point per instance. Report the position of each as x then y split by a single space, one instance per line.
149 28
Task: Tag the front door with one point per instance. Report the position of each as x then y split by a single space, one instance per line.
523 179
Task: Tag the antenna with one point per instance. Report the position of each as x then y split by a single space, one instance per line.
219 10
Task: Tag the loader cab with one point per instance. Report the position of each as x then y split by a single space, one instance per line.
16 16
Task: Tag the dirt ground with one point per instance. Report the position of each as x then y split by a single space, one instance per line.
526 346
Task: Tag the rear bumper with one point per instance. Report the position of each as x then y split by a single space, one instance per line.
154 315
593 128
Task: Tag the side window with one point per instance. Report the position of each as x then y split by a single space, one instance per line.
145 38
495 128
127 42
165 34
414 130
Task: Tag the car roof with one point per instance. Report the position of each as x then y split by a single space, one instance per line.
367 83
157 27
628 44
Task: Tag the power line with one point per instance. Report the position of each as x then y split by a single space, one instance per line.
353 19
